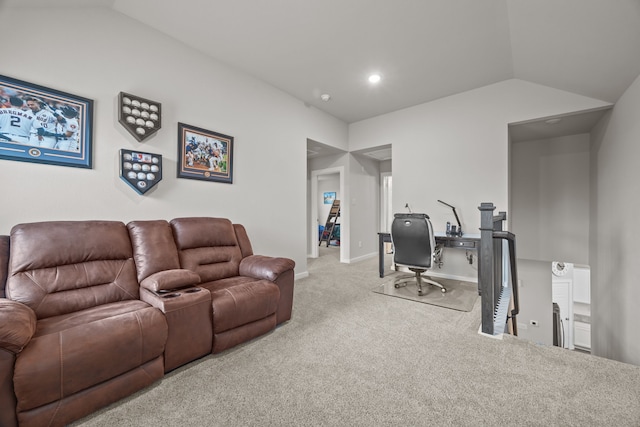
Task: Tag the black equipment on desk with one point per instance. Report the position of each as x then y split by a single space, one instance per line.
452 231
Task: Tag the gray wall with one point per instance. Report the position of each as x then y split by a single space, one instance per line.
535 295
549 198
615 293
385 166
364 206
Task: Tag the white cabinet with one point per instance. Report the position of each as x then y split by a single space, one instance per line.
582 335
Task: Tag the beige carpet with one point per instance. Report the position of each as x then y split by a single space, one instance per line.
351 357
459 296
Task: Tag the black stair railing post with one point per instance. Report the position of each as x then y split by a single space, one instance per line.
486 272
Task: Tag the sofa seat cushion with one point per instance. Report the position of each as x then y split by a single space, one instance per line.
73 352
242 302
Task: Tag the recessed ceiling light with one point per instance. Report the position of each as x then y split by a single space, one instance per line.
325 97
374 78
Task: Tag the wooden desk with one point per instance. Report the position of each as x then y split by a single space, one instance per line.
471 242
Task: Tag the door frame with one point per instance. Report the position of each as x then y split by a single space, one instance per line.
385 195
313 215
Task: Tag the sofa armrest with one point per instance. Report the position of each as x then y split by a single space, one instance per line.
264 267
17 325
170 279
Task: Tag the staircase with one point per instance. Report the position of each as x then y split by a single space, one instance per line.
330 225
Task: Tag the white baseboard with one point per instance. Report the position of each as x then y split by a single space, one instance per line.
363 257
301 275
495 337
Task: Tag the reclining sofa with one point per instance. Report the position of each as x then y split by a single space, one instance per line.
93 311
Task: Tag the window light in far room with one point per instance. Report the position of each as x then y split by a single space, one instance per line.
375 78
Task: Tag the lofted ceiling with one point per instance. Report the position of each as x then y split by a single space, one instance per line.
424 49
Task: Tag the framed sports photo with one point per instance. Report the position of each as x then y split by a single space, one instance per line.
204 155
42 125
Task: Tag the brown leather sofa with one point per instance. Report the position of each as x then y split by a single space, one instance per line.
93 311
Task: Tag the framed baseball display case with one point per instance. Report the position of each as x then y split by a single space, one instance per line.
43 125
141 117
204 155
142 171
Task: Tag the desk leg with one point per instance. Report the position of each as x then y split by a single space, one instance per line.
381 254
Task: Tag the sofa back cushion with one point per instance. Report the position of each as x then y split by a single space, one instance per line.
59 267
154 249
207 246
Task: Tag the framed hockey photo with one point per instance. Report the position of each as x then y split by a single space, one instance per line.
204 155
42 125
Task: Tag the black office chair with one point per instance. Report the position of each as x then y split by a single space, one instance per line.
414 246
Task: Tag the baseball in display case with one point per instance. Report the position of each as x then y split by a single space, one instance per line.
141 117
142 171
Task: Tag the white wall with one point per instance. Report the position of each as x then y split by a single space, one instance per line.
364 206
97 53
615 293
549 198
456 149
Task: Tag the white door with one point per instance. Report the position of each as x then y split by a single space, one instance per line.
386 210
561 295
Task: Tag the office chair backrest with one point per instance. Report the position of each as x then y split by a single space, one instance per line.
413 240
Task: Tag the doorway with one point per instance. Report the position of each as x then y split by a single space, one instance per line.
571 296
315 220
549 203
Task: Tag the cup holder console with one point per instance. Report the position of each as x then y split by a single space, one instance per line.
171 295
